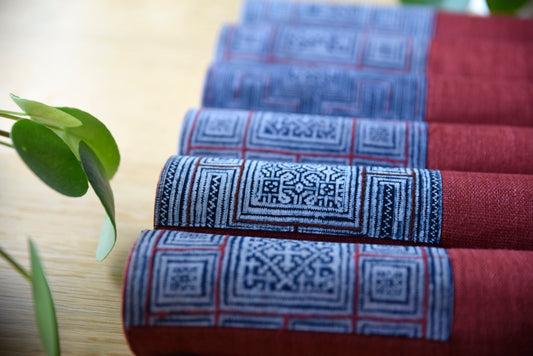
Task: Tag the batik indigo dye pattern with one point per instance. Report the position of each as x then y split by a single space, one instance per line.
276 136
322 91
412 20
359 201
181 279
323 46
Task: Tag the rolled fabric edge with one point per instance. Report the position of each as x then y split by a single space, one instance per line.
481 279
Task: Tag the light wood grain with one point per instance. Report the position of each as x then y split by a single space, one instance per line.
136 65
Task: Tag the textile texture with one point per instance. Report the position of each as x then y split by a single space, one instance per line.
342 92
324 46
480 148
323 91
291 199
184 279
277 136
397 20
374 51
242 294
346 203
496 28
389 19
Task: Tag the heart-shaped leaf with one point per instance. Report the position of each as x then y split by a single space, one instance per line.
97 177
95 134
43 305
49 158
46 114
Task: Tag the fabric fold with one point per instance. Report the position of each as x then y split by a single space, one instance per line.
374 51
389 19
276 136
346 92
189 293
345 203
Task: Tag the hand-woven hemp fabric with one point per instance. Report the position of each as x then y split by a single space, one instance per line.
324 46
291 198
347 92
389 19
277 136
345 203
179 280
205 294
374 51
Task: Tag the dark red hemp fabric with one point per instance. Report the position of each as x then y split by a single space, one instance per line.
459 99
493 315
480 148
502 28
489 59
487 210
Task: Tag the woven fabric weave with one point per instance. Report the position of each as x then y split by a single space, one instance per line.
397 20
389 19
202 280
495 28
164 301
284 137
291 199
276 136
374 51
346 203
342 92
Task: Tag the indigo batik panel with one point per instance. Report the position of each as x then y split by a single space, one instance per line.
315 90
276 136
404 20
323 46
181 279
360 201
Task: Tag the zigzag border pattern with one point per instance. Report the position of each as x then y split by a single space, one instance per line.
317 199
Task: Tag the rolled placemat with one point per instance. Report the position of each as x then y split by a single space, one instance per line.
389 19
374 51
337 203
205 294
346 92
278 136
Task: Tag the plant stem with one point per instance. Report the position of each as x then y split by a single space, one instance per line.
15 264
4 133
6 144
11 115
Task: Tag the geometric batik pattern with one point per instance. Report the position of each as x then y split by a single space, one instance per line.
315 90
398 20
323 46
333 200
284 137
182 279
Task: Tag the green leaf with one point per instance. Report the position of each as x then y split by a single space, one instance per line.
49 158
43 305
505 6
46 114
95 134
97 177
107 239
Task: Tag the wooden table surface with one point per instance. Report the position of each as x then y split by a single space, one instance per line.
136 65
